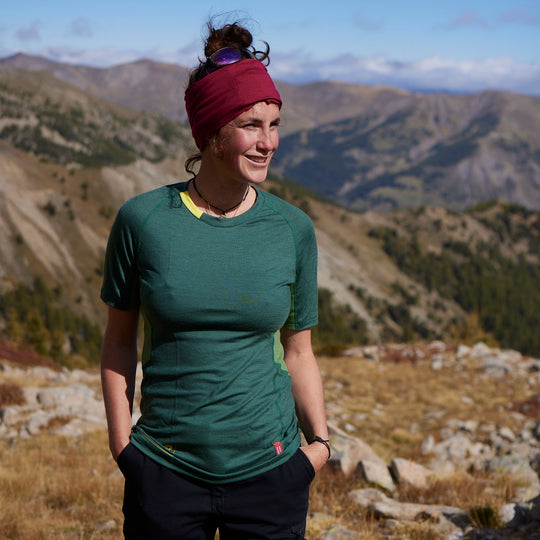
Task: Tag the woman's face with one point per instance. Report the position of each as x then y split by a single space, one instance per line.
244 146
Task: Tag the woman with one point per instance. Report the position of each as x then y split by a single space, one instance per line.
224 277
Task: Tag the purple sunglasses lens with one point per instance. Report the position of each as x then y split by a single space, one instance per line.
227 56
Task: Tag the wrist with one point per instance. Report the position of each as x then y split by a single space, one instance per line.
325 442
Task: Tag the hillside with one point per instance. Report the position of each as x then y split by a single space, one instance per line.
144 85
58 122
415 150
69 159
368 148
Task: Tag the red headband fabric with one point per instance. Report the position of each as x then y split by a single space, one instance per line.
225 93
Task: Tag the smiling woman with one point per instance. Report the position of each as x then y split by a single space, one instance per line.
225 278
244 148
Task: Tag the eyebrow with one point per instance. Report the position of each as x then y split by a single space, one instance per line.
260 120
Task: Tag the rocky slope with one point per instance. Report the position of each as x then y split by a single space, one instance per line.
69 404
423 150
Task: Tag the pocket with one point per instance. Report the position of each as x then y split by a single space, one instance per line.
306 464
125 459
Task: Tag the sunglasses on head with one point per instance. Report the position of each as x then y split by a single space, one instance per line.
224 57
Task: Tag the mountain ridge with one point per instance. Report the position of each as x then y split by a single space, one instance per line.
366 147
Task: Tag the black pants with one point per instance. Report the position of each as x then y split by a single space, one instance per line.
162 504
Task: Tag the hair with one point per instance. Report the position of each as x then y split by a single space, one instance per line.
229 35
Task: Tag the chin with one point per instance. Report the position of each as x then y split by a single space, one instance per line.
257 177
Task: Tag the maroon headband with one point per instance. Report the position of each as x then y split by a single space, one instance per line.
222 95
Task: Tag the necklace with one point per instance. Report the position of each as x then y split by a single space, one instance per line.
222 210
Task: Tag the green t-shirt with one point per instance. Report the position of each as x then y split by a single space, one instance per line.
216 395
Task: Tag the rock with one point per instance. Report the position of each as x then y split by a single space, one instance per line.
74 404
412 512
469 426
409 472
454 448
428 445
507 513
495 366
376 473
479 349
337 532
348 451
364 497
37 420
437 362
106 526
462 352
442 467
507 433
520 470
436 346
10 415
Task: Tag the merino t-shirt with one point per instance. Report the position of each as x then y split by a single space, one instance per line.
216 395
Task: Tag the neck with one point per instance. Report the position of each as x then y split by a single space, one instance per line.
220 202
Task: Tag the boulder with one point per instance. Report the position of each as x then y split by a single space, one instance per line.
376 473
409 472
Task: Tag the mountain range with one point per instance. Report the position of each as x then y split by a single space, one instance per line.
70 156
375 148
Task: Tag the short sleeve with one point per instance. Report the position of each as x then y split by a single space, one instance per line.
120 288
304 307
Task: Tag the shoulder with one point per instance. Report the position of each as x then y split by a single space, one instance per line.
292 214
140 206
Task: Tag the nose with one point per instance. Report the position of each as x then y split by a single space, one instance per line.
268 140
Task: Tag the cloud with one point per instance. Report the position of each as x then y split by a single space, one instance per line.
522 15
29 33
187 55
95 57
81 27
427 74
469 18
297 67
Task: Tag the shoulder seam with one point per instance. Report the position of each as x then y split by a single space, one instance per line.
145 221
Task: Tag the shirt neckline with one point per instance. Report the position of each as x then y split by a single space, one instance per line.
193 210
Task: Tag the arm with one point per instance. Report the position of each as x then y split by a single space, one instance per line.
118 368
307 392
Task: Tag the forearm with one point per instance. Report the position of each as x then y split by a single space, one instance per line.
118 367
308 394
307 391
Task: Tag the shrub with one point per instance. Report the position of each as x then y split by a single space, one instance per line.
10 394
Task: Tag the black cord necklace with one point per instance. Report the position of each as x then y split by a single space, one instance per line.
222 210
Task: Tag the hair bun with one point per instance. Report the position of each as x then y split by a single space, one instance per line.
230 35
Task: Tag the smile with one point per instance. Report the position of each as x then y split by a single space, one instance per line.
257 159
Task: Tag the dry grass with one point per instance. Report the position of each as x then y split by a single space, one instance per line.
53 487
10 394
394 404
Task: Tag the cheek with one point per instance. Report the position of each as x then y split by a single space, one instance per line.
237 144
275 140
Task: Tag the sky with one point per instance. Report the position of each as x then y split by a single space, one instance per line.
456 46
